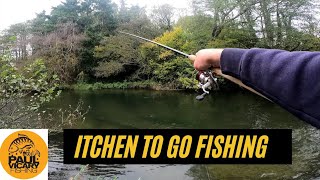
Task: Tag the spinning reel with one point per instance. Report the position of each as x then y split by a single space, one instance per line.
207 82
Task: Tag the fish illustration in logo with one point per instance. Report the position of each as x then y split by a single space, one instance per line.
24 145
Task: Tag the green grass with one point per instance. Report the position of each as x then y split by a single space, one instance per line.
116 85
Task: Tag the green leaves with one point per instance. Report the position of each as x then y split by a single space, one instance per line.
177 38
23 91
78 40
179 73
13 38
167 67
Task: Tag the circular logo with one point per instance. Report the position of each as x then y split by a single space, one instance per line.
24 154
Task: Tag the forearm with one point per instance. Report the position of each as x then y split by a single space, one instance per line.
291 79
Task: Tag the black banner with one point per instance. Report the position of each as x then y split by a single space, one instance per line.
178 146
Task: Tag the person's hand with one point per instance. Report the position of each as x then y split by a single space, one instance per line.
207 58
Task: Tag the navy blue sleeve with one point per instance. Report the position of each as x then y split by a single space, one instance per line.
290 79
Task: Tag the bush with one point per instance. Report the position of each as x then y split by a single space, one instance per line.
168 68
118 85
23 91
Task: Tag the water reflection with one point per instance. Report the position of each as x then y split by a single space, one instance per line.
149 109
58 171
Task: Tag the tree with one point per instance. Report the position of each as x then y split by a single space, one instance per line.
200 36
94 19
224 12
61 49
42 24
162 16
118 55
80 38
66 12
233 37
135 20
275 22
7 42
20 36
97 21
168 67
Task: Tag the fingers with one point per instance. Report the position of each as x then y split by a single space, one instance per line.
192 57
196 62
200 66
207 58
201 61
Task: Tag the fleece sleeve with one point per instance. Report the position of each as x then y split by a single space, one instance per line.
290 79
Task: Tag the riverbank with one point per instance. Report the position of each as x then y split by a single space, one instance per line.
147 85
150 85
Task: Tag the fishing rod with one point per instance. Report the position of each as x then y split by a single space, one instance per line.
207 79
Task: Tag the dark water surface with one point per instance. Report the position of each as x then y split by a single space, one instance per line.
154 109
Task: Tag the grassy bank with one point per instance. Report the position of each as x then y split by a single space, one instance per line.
119 85
150 85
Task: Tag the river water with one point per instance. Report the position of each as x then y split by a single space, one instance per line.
167 109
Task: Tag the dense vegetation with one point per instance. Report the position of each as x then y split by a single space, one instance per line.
79 40
23 92
16 85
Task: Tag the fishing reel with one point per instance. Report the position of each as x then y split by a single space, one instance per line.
207 82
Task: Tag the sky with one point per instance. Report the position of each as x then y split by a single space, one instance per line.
16 11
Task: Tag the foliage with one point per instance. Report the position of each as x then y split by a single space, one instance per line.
302 42
68 117
23 92
79 40
116 55
134 19
200 36
16 39
275 22
60 49
177 73
119 85
162 16
107 69
177 38
167 67
33 84
234 38
77 27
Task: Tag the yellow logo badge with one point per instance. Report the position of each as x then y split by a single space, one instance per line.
24 154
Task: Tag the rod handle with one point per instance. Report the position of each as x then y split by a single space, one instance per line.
218 72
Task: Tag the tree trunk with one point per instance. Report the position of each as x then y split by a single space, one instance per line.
267 22
216 23
279 27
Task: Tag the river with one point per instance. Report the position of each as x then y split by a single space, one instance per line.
167 109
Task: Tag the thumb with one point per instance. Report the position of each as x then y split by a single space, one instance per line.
192 57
